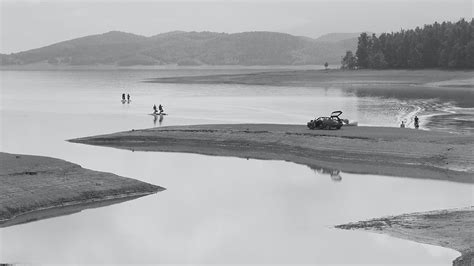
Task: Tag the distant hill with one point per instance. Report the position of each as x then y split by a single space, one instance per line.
337 37
188 48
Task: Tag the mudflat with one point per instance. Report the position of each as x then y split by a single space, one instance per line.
309 78
447 228
36 187
364 150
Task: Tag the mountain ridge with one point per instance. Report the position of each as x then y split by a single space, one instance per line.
185 48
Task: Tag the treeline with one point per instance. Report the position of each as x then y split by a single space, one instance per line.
445 45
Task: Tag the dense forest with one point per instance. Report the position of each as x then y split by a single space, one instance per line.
445 45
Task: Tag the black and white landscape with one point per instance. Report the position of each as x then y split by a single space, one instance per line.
236 132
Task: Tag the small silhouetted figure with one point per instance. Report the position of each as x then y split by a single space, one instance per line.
154 109
128 97
123 96
160 107
402 125
417 124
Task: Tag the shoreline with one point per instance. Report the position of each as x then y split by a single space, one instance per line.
67 209
37 187
453 228
361 150
49 67
433 78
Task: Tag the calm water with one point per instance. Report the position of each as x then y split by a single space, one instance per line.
215 209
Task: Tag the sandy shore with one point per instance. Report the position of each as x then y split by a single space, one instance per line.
310 78
364 150
36 187
447 228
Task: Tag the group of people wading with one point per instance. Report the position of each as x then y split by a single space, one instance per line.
127 99
159 110
416 122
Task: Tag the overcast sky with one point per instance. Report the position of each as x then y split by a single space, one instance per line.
31 24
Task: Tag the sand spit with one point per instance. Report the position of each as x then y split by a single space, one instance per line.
447 228
311 78
36 187
364 150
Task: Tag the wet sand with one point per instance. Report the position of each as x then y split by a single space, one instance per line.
36 187
363 150
311 78
447 228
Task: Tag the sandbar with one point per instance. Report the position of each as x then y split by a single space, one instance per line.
37 187
362 150
452 228
344 78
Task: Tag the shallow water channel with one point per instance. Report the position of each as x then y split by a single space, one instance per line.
215 209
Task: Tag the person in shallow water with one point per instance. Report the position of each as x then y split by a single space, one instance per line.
123 96
417 125
128 97
154 109
160 108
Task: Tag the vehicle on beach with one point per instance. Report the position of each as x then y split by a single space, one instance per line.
328 123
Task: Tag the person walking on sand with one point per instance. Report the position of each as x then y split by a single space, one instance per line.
417 124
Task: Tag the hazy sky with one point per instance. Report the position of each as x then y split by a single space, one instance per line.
31 24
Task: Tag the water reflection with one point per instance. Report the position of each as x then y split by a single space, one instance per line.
217 209
158 118
61 211
335 174
229 210
441 109
161 119
461 97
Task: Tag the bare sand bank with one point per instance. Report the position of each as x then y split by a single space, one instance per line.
310 78
36 187
363 150
447 228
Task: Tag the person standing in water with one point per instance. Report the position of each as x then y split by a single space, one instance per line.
417 125
128 97
154 109
160 108
123 96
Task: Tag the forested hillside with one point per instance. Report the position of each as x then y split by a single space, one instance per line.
186 48
445 45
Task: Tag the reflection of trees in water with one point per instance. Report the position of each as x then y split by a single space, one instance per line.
461 98
335 174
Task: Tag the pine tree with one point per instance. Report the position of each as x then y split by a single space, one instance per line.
445 45
362 52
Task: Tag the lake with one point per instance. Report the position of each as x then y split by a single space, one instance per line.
215 209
